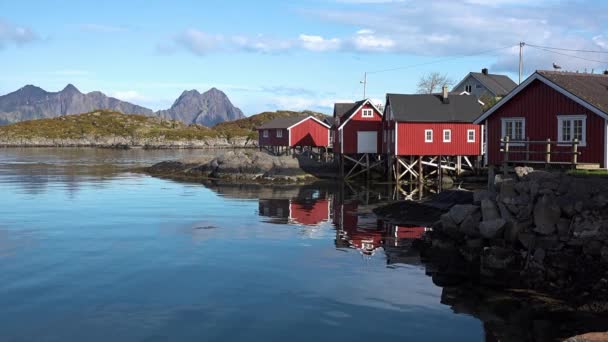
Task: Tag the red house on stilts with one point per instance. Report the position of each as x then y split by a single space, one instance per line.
284 134
552 118
357 135
430 130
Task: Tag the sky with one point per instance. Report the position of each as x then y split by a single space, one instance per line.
295 55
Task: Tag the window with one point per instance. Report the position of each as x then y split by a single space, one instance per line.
570 127
470 135
428 135
478 86
468 88
514 128
447 135
368 113
279 133
265 134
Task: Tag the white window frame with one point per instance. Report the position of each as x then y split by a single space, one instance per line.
265 133
426 136
367 113
449 139
571 118
503 128
279 133
469 131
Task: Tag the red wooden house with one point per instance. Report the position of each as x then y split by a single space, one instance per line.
357 128
432 127
281 134
560 106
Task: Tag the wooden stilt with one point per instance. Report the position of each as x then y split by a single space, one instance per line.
458 165
420 175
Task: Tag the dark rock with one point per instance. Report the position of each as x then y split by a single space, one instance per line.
593 248
470 225
546 215
514 228
498 258
460 212
563 227
480 195
539 255
491 229
489 211
527 240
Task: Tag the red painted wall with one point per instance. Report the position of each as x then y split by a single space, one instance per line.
272 139
310 213
540 105
410 139
358 124
310 133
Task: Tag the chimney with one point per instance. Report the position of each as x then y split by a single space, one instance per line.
444 95
605 72
484 71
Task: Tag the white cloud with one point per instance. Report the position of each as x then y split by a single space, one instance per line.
318 43
367 41
15 34
129 96
199 42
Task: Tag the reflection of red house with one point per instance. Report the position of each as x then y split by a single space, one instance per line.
294 131
284 211
309 213
395 235
364 234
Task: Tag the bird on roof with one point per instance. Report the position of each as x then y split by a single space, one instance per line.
556 67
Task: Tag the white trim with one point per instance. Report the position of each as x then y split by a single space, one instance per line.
560 123
537 76
309 117
355 112
279 130
368 110
265 133
606 145
396 138
468 135
449 131
484 134
503 128
425 136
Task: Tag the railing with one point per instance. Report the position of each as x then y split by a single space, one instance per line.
508 145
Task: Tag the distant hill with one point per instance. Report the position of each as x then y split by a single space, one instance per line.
94 128
192 107
31 102
247 126
208 108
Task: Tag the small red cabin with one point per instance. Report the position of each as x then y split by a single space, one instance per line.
431 125
357 128
560 106
294 131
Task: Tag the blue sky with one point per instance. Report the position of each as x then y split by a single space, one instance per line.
269 55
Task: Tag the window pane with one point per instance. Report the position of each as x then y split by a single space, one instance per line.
578 130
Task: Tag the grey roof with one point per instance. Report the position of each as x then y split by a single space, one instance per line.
345 110
499 85
430 108
329 120
591 88
282 122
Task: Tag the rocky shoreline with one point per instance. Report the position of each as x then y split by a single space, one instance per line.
246 166
539 231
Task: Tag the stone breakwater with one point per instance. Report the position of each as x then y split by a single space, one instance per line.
538 230
249 165
127 142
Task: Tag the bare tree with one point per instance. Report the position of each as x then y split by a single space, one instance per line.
433 82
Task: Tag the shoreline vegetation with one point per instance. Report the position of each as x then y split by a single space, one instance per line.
108 129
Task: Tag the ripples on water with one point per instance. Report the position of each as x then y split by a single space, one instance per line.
91 252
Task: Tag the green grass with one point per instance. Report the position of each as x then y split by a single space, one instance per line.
113 124
599 173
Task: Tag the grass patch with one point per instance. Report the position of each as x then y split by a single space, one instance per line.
597 172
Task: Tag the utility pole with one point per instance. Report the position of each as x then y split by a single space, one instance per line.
364 82
521 59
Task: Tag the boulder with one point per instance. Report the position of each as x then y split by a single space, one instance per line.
480 195
522 171
492 229
460 212
498 258
470 225
448 226
514 228
489 211
527 240
546 215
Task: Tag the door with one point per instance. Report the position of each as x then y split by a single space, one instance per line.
367 142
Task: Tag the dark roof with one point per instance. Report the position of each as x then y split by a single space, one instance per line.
591 88
345 110
329 120
500 85
282 122
430 108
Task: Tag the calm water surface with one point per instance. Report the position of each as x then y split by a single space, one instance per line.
92 252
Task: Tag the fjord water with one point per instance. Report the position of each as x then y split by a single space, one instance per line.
92 252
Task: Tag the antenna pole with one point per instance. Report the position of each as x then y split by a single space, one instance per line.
521 59
364 82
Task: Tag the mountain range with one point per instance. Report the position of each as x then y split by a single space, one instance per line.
192 107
